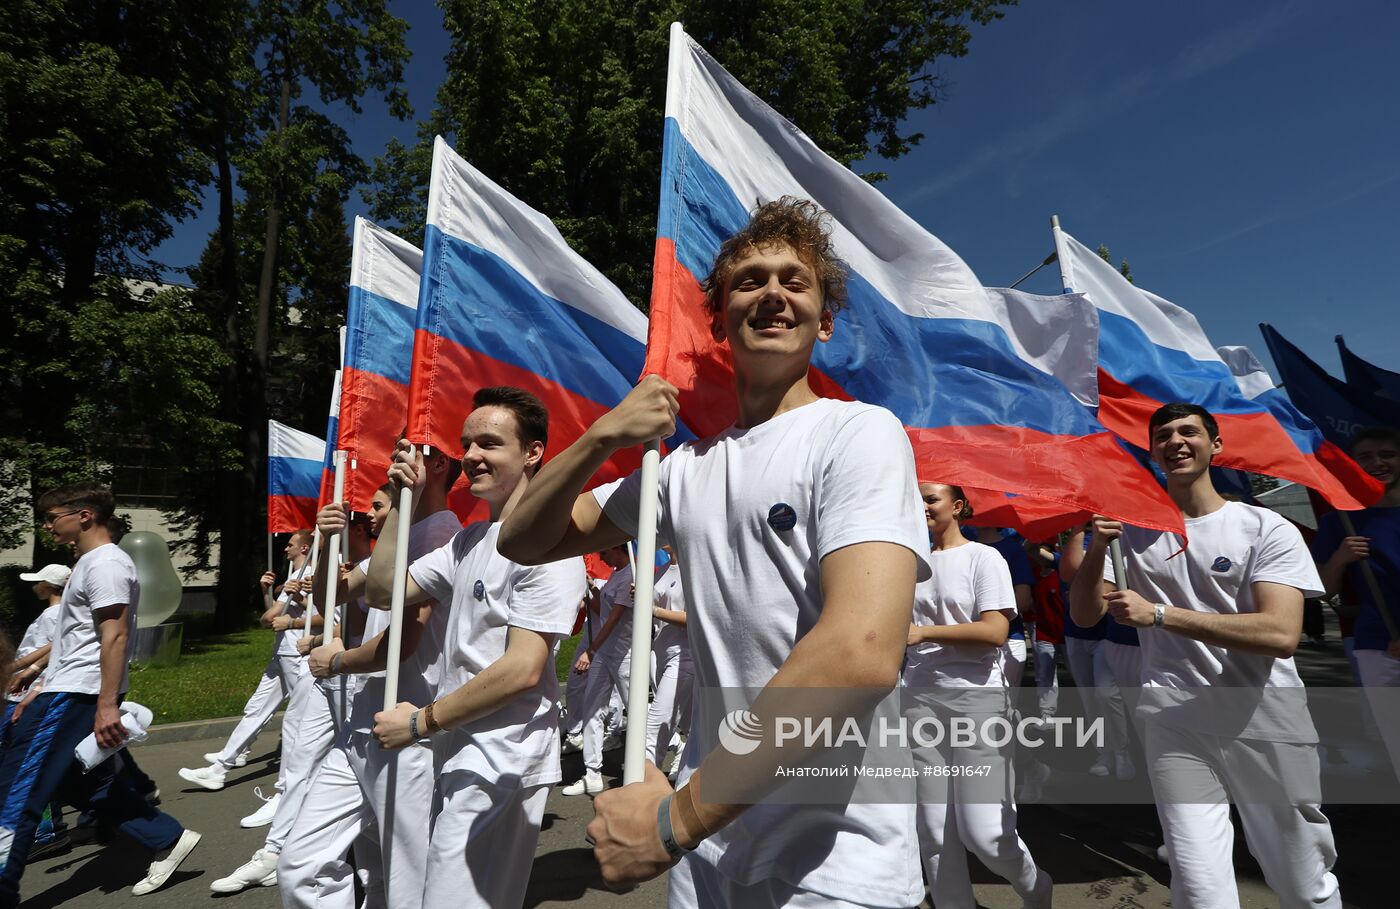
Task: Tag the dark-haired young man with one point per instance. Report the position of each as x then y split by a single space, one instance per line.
82 691
493 726
1377 540
1224 708
799 535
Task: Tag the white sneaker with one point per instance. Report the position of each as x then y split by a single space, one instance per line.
160 870
264 815
591 783
259 871
1100 767
240 761
572 743
612 742
1123 767
1031 788
211 777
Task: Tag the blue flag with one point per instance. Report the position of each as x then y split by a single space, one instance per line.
1369 377
1338 409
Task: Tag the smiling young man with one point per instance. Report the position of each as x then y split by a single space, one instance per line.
799 535
1225 714
493 726
82 691
1377 540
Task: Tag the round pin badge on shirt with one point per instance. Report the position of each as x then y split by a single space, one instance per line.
1221 564
782 517
479 589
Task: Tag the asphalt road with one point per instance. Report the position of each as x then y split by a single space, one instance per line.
1100 856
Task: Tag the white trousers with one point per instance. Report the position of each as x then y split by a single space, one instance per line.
1088 664
1015 664
958 814
1045 677
348 804
606 677
574 693
1125 661
1194 776
695 884
308 731
670 706
278 679
483 842
1380 673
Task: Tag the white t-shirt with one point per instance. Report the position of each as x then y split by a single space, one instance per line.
286 641
39 633
616 594
419 674
104 577
1229 551
967 581
750 514
490 594
670 643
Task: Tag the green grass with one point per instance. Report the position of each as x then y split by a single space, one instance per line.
213 678
217 672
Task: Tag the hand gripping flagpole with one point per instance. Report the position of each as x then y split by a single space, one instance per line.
1115 546
644 581
333 555
391 669
1372 584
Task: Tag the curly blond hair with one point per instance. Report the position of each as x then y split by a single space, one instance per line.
796 223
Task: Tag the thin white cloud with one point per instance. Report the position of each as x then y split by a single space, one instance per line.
1071 115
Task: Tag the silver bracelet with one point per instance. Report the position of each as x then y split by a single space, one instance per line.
663 827
1159 615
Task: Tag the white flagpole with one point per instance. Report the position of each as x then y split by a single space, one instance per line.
313 559
1115 547
391 669
634 755
334 552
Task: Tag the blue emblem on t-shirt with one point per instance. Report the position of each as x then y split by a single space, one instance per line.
479 589
1221 564
782 517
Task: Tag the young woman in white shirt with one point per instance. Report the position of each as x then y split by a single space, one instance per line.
955 667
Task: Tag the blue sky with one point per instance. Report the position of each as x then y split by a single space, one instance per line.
1244 157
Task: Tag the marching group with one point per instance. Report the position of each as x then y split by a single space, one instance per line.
798 555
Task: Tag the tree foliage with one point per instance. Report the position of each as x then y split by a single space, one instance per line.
561 102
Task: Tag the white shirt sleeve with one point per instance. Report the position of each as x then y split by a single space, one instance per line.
435 572
545 598
620 500
869 491
1283 558
107 583
993 590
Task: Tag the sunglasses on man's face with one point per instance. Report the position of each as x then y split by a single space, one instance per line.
51 516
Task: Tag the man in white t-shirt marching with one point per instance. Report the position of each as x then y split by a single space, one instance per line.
493 724
799 537
82 691
1224 708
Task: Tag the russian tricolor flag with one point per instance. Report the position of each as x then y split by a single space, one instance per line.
379 322
1152 352
293 477
327 491
505 301
976 376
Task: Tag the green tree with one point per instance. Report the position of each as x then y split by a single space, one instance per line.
1123 268
561 102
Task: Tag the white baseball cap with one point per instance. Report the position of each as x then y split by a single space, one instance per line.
57 575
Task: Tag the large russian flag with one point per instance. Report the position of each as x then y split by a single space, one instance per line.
1152 352
326 494
504 300
293 477
975 375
